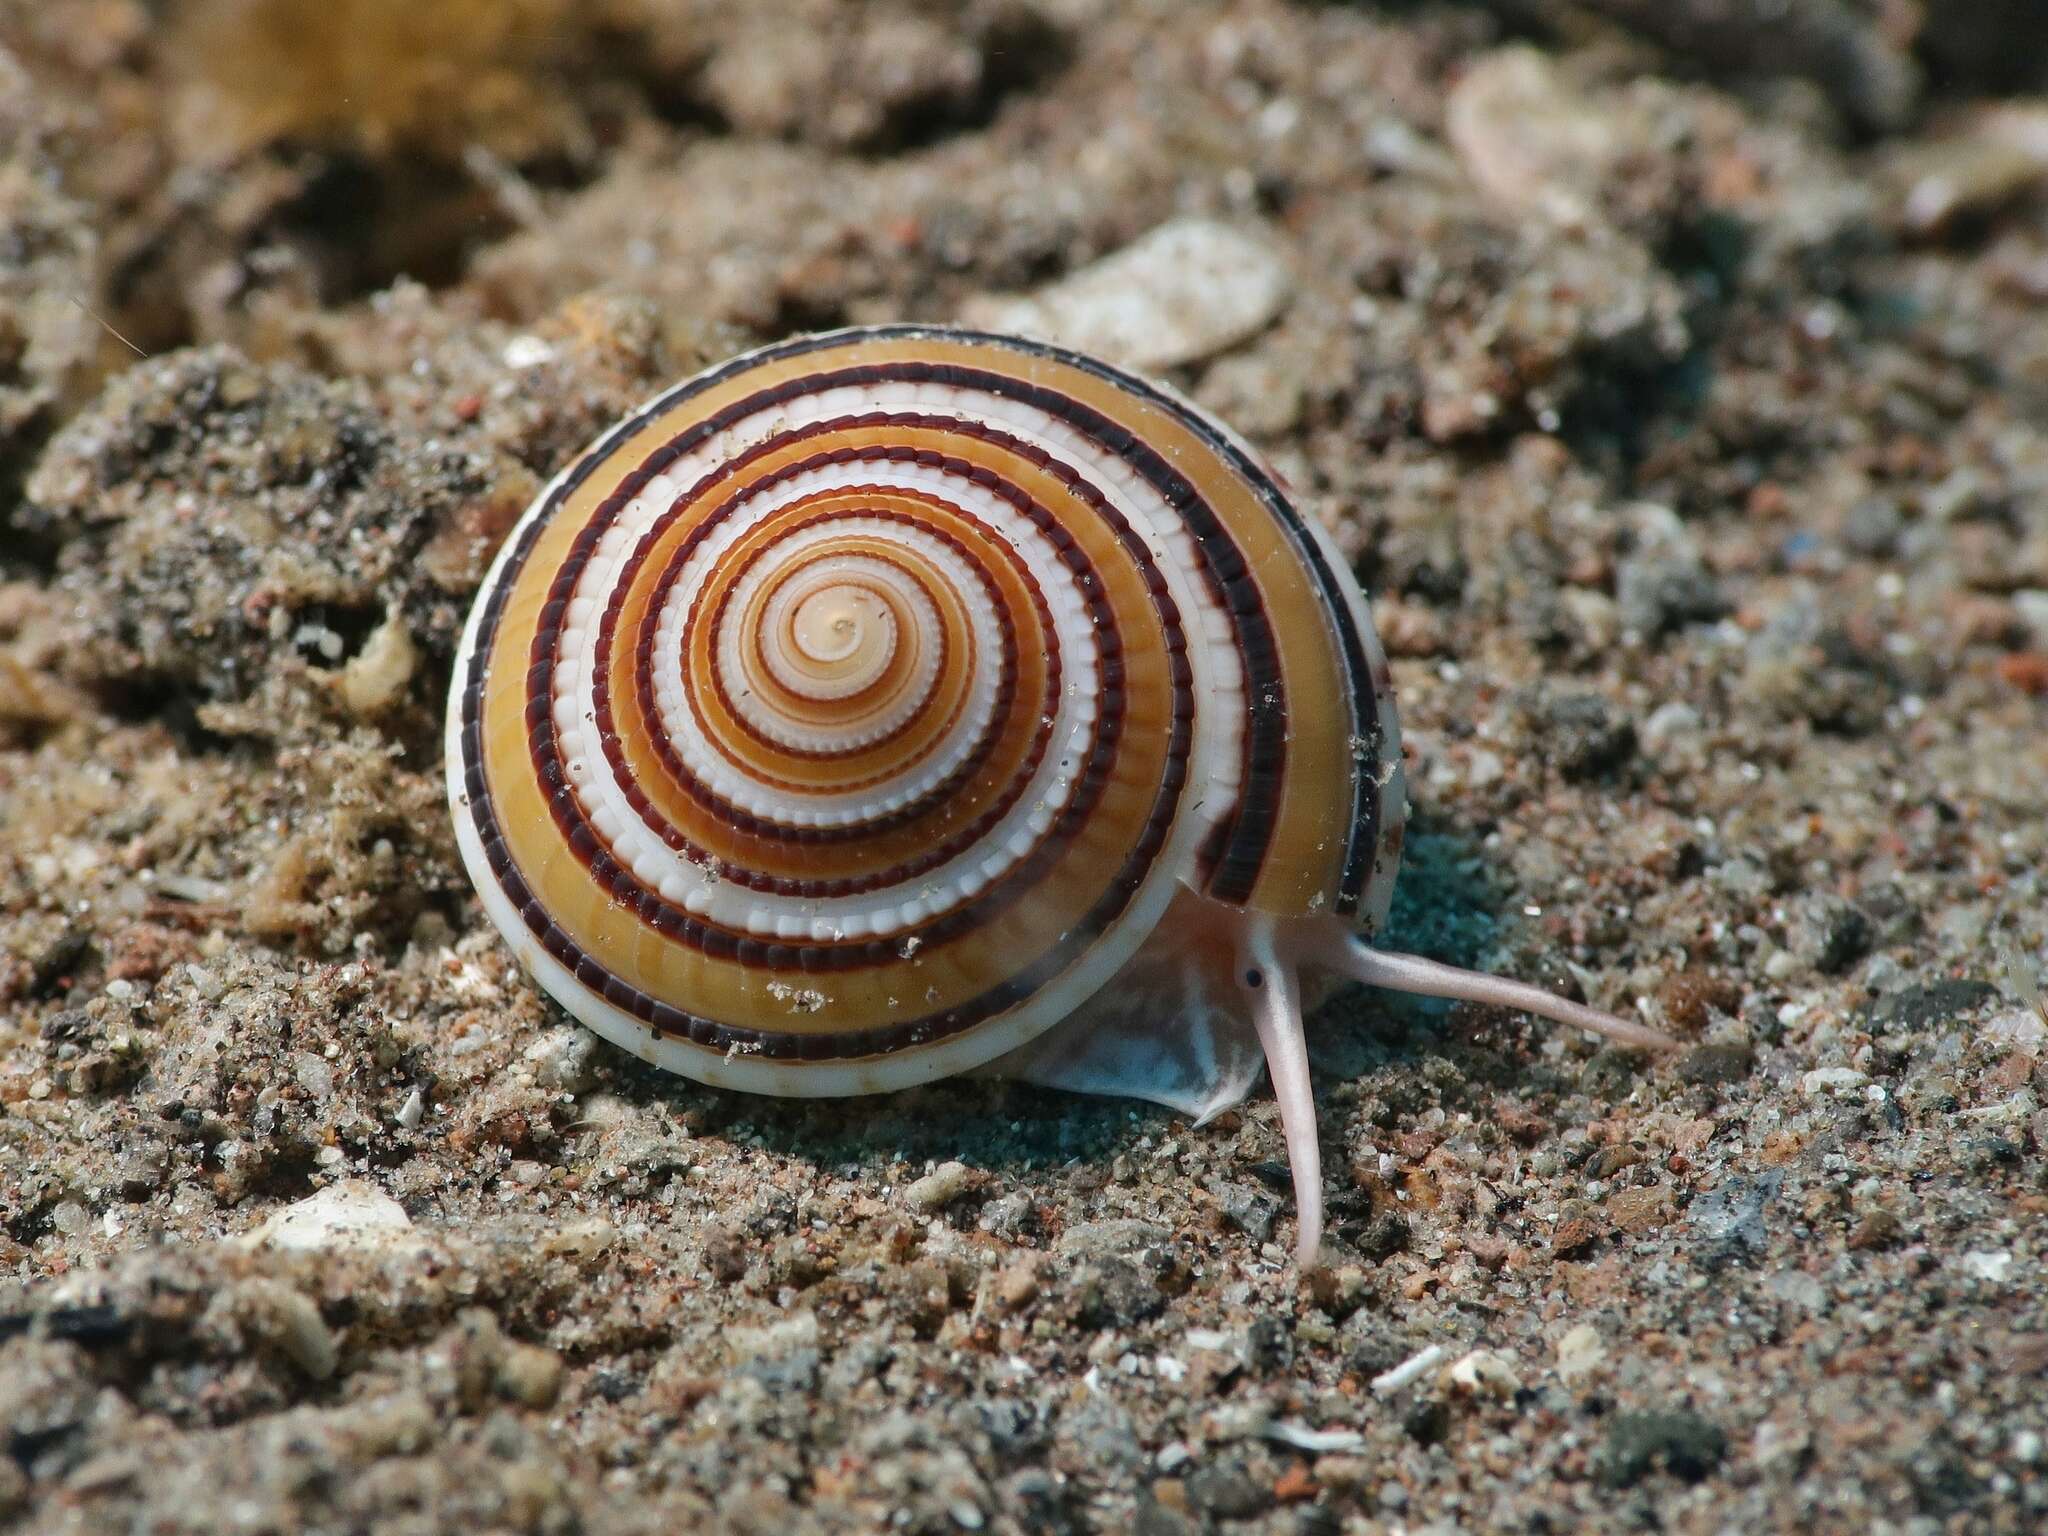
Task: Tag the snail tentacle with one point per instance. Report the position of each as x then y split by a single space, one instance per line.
1350 955
1273 995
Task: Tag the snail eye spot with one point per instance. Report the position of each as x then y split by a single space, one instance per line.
1255 978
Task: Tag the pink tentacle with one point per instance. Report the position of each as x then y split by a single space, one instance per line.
1352 956
1274 993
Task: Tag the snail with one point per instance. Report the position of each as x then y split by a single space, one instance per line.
901 702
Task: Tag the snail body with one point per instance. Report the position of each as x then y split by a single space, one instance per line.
902 702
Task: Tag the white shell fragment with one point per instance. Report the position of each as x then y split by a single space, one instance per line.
1184 291
350 1214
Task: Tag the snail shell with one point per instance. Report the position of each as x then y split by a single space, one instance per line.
901 702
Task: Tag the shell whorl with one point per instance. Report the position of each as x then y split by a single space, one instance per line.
850 714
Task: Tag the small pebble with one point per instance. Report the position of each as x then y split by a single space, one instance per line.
2032 608
1187 289
1922 1007
939 1188
1225 1490
377 676
1681 1442
528 1374
348 1214
567 1059
286 1319
1716 1063
1017 1286
1579 1352
1482 1373
1831 1080
411 1111
1992 1266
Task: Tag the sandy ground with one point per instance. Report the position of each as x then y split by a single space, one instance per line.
1680 387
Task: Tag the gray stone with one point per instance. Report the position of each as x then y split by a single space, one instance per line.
1680 1442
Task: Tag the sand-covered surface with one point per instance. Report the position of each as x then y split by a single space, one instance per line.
1679 385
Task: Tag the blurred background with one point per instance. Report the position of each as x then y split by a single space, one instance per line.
219 170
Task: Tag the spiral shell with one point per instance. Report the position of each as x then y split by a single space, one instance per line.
854 712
